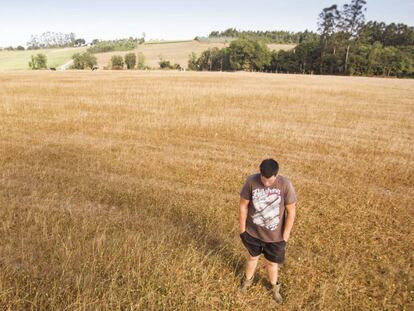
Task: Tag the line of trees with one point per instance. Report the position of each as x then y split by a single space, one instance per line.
132 61
116 45
280 37
11 48
345 45
49 40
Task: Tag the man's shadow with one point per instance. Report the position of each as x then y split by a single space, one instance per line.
211 242
214 243
217 241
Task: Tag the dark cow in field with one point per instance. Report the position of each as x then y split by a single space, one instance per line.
95 68
52 68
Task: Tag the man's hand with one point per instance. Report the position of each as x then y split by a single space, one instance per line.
291 213
286 236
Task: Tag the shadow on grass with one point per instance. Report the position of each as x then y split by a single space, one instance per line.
207 238
161 202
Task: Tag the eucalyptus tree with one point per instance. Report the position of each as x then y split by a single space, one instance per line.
327 27
351 23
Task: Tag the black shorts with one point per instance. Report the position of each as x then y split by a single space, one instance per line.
273 251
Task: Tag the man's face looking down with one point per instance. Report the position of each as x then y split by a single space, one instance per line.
267 182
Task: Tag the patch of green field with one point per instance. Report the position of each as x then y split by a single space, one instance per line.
19 60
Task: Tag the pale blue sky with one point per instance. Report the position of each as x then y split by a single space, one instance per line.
181 19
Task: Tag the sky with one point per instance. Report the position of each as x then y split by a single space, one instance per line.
173 20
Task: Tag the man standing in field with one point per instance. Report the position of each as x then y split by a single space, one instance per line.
264 228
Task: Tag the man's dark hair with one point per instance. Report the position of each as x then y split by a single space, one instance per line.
269 168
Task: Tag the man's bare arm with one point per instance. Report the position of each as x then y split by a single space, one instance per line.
243 214
290 219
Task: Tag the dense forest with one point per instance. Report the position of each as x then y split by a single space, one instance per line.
345 45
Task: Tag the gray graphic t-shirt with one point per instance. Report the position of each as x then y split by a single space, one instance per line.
266 210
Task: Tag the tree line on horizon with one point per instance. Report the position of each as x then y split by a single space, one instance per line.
344 45
52 40
127 44
275 36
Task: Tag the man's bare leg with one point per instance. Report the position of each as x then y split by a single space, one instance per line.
272 273
251 266
272 269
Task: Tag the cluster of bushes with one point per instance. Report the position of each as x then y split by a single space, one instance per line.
117 62
166 64
115 45
84 60
38 61
130 60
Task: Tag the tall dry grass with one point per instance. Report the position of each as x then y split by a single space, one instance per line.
119 190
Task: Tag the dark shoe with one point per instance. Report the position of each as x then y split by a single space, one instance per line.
245 284
276 293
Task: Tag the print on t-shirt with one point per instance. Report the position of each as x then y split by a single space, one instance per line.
266 203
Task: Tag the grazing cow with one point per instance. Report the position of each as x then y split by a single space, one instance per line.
52 68
95 68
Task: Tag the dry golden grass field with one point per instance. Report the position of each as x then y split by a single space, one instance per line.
176 52
120 190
